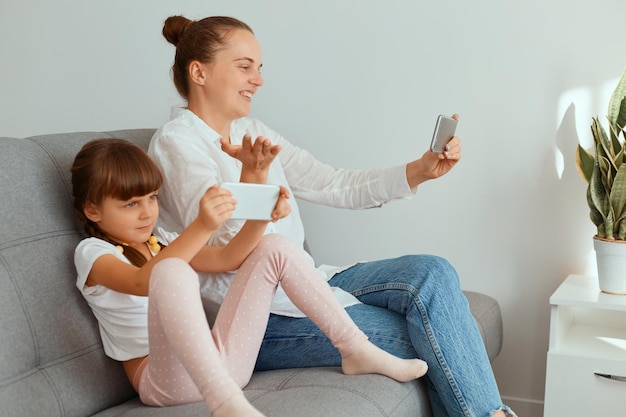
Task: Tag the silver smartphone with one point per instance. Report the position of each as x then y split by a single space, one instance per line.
254 201
444 131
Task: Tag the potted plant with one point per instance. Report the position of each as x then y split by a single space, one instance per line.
605 172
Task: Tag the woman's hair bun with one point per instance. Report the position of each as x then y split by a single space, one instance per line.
174 27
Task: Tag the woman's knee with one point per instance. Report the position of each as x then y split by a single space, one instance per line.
433 267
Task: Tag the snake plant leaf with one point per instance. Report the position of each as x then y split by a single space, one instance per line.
609 226
616 102
606 170
620 122
604 147
618 126
594 213
619 159
621 232
584 163
617 195
598 192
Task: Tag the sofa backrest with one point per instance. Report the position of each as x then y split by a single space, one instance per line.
51 362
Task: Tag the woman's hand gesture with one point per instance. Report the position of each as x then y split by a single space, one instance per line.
255 158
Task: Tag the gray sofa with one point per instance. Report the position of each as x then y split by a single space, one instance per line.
52 362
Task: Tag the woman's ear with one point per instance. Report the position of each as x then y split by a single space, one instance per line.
91 212
197 73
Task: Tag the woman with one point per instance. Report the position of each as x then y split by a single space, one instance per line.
411 306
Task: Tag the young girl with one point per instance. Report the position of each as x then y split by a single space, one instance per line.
146 295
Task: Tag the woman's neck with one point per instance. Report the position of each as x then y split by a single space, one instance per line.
208 116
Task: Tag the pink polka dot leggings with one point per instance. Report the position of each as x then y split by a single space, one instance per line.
189 362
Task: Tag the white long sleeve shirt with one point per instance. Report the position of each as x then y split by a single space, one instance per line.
189 153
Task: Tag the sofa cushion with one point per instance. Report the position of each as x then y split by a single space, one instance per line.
311 392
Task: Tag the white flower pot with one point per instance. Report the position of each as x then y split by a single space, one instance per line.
611 258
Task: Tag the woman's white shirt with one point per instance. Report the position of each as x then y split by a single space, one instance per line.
189 153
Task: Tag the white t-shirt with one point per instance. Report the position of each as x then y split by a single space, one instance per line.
122 318
189 153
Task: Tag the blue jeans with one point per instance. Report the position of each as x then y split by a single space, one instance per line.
413 306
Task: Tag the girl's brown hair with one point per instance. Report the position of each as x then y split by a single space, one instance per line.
196 41
112 168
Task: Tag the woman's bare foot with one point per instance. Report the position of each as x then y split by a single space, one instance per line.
370 359
237 406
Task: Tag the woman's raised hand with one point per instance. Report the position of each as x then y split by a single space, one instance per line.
255 156
434 165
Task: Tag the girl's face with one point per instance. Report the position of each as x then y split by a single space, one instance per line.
232 78
130 222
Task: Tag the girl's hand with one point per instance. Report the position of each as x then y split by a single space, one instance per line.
282 208
216 206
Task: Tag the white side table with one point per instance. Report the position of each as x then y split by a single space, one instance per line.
586 368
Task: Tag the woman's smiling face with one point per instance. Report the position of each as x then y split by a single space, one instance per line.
233 77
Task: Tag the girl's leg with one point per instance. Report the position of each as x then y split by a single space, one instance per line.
184 365
248 302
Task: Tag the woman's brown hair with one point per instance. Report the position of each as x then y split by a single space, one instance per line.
196 41
112 168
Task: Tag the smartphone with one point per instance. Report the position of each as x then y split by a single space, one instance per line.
444 131
254 201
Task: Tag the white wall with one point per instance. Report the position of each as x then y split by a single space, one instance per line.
359 83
